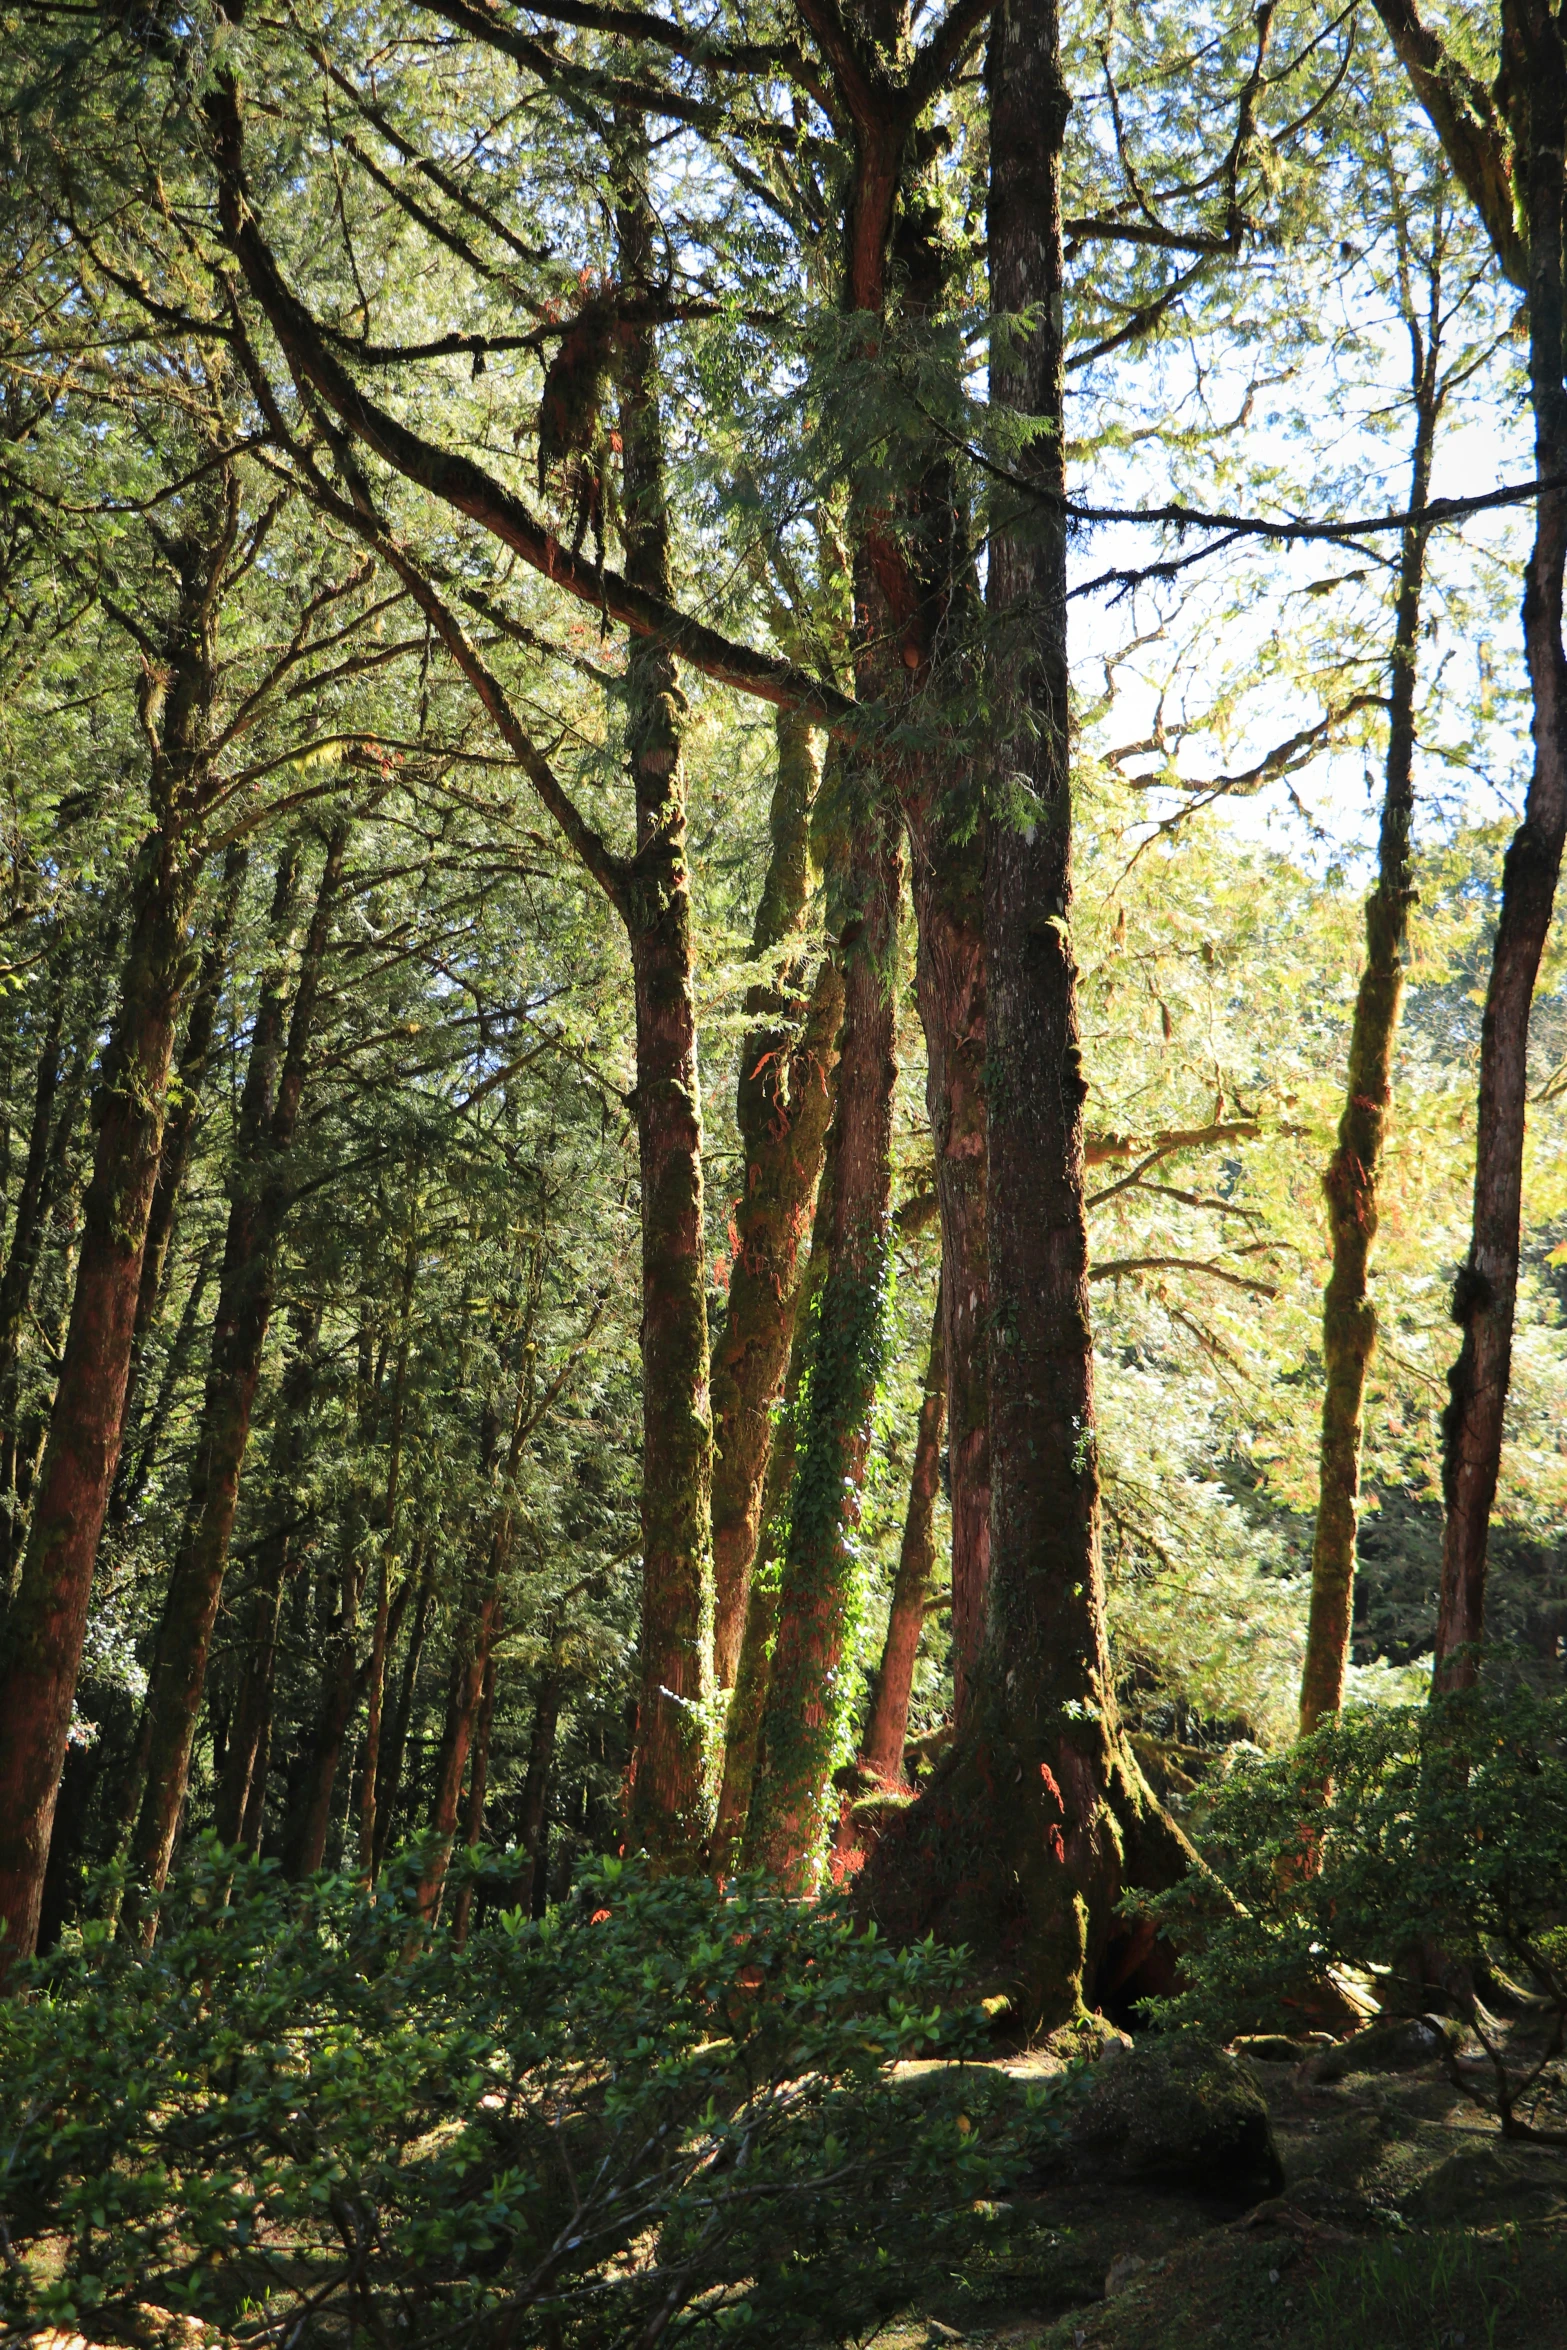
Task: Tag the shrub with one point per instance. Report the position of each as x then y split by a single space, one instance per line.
662 2114
1392 1839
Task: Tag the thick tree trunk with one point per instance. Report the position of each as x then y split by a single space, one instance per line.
1349 1324
783 1103
1039 1820
1485 1296
666 1794
806 1714
259 1203
881 1749
244 1766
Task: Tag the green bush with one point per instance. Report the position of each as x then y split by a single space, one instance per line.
661 2114
1418 1840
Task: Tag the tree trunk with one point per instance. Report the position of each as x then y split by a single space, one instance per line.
129 1488
244 1769
340 1691
179 1135
260 1198
806 1714
1039 1819
473 1808
1349 1323
470 1667
666 1793
394 1739
783 1103
748 1698
881 1749
1485 1295
48 1615
531 1813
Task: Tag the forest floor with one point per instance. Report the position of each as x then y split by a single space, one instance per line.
1406 2222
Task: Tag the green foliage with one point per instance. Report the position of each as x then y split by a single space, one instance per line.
1384 1839
302 2110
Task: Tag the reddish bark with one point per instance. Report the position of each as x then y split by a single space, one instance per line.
48 1615
260 1198
1039 1819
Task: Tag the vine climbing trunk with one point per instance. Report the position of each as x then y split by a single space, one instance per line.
782 1106
47 1622
806 1714
1038 1819
665 1809
1485 1295
1349 1325
260 1198
881 1749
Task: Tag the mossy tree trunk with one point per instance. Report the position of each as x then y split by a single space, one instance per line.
665 1813
783 1103
1038 1820
806 1713
1349 1323
748 1698
881 1749
259 1197
1486 1293
47 1621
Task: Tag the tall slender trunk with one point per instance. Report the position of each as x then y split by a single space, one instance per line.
1039 1818
806 1714
129 1488
783 1103
394 1737
881 1749
473 1805
532 1812
260 1199
179 1135
470 1668
27 1226
1349 1322
949 903
311 1821
666 1795
244 1765
48 1616
1485 1295
748 1698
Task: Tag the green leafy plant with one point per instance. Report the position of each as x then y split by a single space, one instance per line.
1432 1833
664 2113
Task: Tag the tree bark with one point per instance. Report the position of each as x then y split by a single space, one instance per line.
806 1714
665 1809
394 1739
48 1616
1038 1820
783 1103
259 1203
1485 1295
881 1749
1349 1324
179 1135
473 1807
748 1698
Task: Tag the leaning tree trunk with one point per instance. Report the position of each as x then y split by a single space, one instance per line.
1485 1295
260 1199
806 1715
47 1622
1038 1820
1349 1322
666 1795
881 1749
783 1103
748 1697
